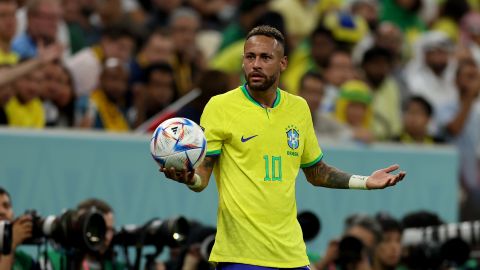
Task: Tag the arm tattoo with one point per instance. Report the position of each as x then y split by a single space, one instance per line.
323 175
209 162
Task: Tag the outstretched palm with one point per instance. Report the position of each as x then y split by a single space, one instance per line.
383 178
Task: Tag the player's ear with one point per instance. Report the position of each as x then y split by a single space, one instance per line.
283 63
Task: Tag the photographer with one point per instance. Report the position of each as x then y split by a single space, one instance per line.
388 252
22 229
354 251
104 259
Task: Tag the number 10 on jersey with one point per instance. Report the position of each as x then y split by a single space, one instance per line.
273 168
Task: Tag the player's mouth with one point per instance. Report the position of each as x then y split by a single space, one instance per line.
256 76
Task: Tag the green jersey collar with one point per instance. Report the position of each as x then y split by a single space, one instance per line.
249 97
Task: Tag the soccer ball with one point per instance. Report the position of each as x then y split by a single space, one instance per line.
178 142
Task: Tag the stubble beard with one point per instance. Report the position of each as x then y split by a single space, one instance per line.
267 84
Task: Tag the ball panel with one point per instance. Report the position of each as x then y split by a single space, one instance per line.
177 160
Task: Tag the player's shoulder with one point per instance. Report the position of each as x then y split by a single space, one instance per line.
292 99
229 96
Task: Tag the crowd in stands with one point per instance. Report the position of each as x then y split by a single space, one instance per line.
371 70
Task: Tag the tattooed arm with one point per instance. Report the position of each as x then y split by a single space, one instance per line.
324 175
204 171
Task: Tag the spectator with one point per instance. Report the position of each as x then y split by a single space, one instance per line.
338 69
106 107
7 32
158 91
353 108
431 75
366 234
158 48
386 36
417 114
311 55
25 109
58 96
463 131
85 66
22 230
188 61
43 22
377 65
312 89
388 252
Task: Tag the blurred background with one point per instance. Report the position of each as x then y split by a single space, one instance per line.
83 83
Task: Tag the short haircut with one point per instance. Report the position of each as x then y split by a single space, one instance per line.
321 30
161 67
388 223
102 206
268 31
32 5
3 191
310 74
367 222
376 53
422 101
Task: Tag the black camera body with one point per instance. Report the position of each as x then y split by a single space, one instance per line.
82 230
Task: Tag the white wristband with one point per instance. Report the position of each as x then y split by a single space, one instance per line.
197 183
357 182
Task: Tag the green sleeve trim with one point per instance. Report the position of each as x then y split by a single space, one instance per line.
214 153
315 161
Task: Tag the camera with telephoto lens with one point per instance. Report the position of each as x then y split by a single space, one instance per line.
156 232
81 230
442 245
6 231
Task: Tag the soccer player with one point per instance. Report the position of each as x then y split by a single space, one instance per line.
258 137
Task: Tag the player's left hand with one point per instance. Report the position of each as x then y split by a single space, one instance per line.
384 178
182 176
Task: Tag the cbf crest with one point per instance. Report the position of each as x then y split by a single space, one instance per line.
293 137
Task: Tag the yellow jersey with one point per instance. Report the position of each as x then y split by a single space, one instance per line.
260 152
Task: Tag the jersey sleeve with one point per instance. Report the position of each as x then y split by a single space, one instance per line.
213 123
312 153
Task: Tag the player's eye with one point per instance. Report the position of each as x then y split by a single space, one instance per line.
266 57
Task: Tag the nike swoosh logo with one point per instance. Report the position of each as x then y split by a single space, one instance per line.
248 138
